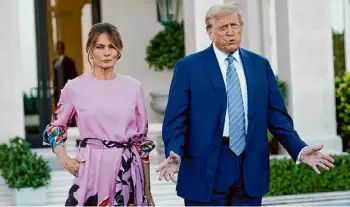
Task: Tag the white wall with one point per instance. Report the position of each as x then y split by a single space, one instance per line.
307 66
27 44
86 23
11 104
137 23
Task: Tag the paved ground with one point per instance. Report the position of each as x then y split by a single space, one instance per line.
324 203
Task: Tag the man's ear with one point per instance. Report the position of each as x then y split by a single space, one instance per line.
209 32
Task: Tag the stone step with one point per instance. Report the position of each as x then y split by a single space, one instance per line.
56 200
59 181
157 194
6 201
167 200
3 191
163 200
156 187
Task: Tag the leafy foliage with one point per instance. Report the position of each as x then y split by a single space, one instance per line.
339 53
21 167
167 47
3 154
283 89
342 93
288 178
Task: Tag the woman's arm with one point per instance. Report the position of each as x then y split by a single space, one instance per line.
146 170
55 133
144 145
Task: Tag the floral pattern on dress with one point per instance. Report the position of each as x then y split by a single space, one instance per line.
144 148
128 190
53 134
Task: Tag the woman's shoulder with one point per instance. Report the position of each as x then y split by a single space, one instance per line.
130 81
78 81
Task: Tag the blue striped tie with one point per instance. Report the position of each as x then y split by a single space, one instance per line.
235 106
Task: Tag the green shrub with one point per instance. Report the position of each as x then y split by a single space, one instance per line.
339 53
283 89
3 155
342 93
288 178
167 47
22 168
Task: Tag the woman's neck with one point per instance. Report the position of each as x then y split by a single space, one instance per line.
103 74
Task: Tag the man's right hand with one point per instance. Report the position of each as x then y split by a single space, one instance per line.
169 167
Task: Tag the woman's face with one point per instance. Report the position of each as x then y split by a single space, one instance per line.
104 54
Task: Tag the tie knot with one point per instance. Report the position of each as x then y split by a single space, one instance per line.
230 59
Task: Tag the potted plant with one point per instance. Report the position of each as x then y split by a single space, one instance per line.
163 51
25 173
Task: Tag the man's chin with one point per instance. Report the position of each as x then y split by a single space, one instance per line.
232 50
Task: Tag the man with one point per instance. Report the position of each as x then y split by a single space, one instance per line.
64 68
222 100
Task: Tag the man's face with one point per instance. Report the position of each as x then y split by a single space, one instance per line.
226 32
59 49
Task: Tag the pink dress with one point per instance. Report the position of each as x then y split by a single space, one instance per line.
112 122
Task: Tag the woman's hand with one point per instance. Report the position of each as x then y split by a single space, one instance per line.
71 165
149 198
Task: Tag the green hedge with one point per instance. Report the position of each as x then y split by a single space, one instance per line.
288 178
342 93
339 53
284 92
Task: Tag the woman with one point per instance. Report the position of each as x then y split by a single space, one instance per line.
112 164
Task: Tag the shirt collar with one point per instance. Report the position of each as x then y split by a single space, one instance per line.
221 56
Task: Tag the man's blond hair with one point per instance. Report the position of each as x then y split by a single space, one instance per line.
220 10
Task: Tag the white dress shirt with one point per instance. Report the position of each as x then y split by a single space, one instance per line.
221 57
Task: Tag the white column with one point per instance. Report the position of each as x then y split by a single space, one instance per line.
253 16
196 37
259 28
11 104
305 59
346 5
273 38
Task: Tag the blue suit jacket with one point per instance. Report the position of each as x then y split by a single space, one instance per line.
194 121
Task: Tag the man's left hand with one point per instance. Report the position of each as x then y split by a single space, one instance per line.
312 157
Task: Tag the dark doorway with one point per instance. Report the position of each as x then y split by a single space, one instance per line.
37 103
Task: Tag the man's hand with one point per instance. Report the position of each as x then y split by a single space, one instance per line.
312 157
169 167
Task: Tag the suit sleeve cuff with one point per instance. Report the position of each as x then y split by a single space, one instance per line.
298 161
178 152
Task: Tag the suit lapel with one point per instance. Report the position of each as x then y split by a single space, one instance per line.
249 74
214 73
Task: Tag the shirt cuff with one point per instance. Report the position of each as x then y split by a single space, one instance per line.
298 160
